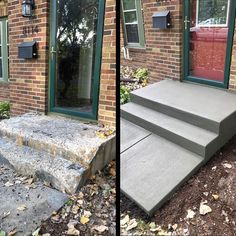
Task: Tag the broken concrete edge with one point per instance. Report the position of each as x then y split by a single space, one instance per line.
27 140
151 212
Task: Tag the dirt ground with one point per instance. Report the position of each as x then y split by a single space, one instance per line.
215 183
89 212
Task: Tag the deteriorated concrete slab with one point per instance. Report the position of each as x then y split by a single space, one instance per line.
153 169
131 134
71 139
62 174
38 200
211 103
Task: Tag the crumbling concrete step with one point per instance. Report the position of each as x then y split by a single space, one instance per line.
131 134
153 169
62 174
208 108
198 140
70 139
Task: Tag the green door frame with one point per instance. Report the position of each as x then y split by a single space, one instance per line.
186 37
97 67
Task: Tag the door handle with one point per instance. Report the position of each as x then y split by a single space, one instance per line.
53 51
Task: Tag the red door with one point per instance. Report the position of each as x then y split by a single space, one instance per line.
208 38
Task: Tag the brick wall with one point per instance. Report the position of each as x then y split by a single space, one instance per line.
163 48
107 104
4 87
28 78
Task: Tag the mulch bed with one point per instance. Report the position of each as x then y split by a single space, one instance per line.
95 203
218 178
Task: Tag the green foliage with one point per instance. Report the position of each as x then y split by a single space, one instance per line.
141 74
124 94
4 110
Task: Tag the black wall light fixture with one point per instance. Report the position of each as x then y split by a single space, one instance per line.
28 7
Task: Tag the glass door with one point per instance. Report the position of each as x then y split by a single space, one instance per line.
209 26
75 56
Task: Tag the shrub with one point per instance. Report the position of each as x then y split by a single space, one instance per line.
4 110
124 94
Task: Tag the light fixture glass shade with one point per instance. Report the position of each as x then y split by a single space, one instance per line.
26 8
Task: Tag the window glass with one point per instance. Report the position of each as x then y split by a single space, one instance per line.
133 24
212 12
128 4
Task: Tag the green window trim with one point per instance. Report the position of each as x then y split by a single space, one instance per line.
139 14
4 57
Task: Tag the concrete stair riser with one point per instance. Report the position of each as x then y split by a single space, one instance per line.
199 121
204 151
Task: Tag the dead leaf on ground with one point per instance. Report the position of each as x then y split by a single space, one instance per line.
125 220
132 224
112 172
5 214
84 220
100 228
12 233
190 214
71 228
36 232
227 165
204 209
22 207
215 196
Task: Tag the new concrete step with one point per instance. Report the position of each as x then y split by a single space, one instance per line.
153 169
73 140
206 107
62 174
131 134
191 137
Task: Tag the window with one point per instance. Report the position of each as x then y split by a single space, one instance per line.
133 23
212 13
4 49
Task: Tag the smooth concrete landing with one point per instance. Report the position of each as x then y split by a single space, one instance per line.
211 103
152 170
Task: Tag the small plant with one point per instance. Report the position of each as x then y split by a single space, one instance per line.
141 74
4 110
124 94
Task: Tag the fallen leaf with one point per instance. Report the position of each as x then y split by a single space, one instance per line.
22 207
112 171
8 184
152 225
75 209
163 233
47 234
84 220
87 214
72 230
100 228
125 220
174 227
190 214
12 233
204 209
227 165
36 232
215 196
132 224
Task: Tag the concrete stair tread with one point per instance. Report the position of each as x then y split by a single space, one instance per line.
152 169
188 131
74 140
131 134
213 104
62 174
